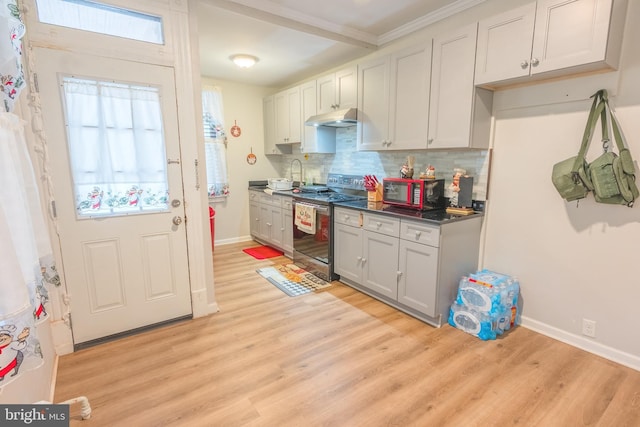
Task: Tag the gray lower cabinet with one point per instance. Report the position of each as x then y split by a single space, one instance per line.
271 220
367 258
412 265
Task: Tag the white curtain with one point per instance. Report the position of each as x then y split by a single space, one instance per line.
215 142
23 243
11 72
116 147
26 261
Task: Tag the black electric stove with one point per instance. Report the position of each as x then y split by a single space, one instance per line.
339 188
313 249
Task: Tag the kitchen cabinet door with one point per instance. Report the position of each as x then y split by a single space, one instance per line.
417 286
373 104
346 91
410 83
347 252
276 226
254 215
380 263
452 88
314 139
550 38
570 33
287 226
287 116
337 91
504 45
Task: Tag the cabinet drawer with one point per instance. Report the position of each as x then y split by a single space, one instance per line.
420 233
286 203
271 200
347 217
381 224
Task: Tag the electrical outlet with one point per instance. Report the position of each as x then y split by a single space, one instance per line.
589 328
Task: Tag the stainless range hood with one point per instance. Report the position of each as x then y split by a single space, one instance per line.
337 119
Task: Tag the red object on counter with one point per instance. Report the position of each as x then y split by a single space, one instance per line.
212 225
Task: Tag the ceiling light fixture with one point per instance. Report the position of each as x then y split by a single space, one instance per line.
243 60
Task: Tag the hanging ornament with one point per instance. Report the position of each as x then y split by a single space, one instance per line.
251 158
235 130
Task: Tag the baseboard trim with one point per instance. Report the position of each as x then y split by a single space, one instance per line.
583 343
233 240
54 378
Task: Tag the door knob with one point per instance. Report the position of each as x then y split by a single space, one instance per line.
177 220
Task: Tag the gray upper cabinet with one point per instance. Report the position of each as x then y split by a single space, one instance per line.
288 116
459 113
549 38
393 100
337 91
314 139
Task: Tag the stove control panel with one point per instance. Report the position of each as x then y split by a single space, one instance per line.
350 182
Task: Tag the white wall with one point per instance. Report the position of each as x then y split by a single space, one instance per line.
242 106
573 261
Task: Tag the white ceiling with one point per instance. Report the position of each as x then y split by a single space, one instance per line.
296 39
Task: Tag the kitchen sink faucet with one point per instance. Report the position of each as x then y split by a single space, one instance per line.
300 172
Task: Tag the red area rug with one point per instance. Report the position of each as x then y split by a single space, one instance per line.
262 252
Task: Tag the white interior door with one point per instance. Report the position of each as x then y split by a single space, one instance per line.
118 190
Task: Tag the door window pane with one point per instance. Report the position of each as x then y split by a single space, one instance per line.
116 147
101 18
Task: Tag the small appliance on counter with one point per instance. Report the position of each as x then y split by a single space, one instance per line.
422 194
280 184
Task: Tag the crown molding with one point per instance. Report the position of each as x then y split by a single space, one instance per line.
429 19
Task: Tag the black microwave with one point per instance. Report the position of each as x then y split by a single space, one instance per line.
422 194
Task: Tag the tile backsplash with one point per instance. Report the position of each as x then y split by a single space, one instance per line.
385 164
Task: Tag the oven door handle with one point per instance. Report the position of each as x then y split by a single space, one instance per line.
317 207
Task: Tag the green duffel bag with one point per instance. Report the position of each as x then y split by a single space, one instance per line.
612 185
571 177
613 176
572 183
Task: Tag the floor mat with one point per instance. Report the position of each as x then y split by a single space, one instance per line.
292 280
263 252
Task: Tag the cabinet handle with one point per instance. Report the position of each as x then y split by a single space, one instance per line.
346 217
399 273
378 224
359 258
418 233
535 62
269 224
524 65
430 141
364 260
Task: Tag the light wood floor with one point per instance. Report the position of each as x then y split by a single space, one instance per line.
337 358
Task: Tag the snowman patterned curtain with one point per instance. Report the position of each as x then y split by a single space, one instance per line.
11 72
24 243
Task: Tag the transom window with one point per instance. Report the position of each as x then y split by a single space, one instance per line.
101 18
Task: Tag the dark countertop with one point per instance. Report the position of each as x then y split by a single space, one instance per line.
289 193
435 217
